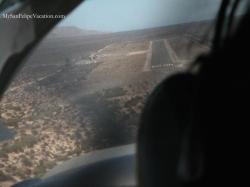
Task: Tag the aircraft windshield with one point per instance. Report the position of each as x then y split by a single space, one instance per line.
85 85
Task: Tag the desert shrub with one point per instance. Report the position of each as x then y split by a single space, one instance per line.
50 164
134 101
26 161
42 167
19 145
40 170
20 173
4 177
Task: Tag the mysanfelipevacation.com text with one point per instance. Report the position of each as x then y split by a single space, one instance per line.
31 16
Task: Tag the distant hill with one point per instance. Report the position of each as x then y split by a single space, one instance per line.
67 31
201 29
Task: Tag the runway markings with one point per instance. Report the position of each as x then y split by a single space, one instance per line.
163 65
171 52
147 66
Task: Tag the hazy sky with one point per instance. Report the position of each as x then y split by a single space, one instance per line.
121 15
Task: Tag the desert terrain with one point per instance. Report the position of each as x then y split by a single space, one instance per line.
82 92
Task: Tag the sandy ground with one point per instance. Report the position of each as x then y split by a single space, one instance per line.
69 105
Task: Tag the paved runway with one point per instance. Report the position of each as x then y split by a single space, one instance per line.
160 55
